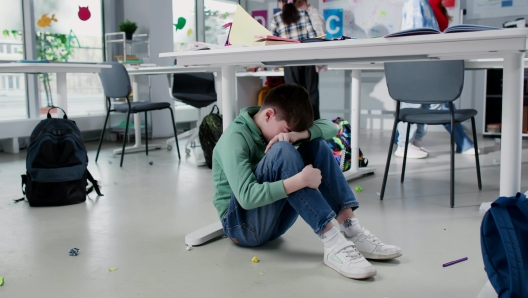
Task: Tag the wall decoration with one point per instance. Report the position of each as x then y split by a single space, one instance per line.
45 21
84 13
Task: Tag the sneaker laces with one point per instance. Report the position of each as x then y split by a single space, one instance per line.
351 252
371 237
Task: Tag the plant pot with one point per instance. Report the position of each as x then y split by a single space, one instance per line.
128 35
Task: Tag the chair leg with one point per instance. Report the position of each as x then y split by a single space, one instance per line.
146 133
452 166
405 153
175 132
125 139
387 165
102 136
477 161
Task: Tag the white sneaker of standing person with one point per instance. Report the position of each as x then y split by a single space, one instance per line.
412 152
471 151
344 258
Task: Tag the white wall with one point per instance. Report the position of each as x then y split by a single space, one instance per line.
154 17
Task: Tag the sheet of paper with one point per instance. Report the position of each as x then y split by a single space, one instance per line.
244 29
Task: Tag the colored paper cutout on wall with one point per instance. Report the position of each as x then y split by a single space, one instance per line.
181 23
45 21
261 16
84 13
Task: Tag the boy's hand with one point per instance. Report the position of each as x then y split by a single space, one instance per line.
311 176
290 137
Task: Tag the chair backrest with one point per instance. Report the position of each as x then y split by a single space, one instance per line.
196 89
115 80
425 81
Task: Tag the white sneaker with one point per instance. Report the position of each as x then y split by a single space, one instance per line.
372 248
348 261
412 152
471 151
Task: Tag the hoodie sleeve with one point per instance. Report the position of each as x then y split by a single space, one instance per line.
323 128
242 181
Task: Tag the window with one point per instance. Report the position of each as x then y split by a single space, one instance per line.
62 36
184 22
13 101
218 13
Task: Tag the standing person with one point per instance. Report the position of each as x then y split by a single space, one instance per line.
317 19
263 183
318 23
422 17
294 23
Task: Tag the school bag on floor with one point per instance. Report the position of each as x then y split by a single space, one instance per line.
504 242
209 133
56 165
340 146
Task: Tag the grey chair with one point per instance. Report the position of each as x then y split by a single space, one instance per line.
116 84
428 82
194 89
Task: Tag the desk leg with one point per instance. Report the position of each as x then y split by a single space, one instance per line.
355 171
511 132
62 100
138 147
228 95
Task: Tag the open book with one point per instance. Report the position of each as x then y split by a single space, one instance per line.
452 29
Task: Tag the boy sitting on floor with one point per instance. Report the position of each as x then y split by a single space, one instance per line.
262 183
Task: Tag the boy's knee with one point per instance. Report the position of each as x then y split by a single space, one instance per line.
281 149
285 152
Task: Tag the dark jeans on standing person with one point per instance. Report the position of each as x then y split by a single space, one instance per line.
307 77
257 226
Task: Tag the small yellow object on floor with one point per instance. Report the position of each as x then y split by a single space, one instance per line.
112 269
255 260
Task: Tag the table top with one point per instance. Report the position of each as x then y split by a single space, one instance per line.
153 70
53 67
468 45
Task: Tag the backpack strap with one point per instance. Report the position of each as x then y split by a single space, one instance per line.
217 110
511 243
95 185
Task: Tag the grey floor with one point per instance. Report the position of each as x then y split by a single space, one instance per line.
140 224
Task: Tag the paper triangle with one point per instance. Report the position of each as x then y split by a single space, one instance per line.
244 29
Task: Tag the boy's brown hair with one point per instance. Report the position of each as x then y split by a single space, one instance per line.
292 104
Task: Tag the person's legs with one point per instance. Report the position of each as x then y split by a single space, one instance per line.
311 84
401 133
307 77
257 226
462 141
341 199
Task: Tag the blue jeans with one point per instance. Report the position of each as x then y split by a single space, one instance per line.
257 226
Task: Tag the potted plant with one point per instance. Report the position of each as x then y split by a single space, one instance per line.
128 27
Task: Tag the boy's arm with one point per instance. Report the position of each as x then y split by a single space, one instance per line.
323 128
239 173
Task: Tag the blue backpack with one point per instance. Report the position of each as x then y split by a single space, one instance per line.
56 165
504 241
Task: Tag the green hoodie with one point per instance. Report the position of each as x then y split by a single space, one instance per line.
236 156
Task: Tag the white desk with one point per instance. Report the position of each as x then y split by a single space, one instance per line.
61 69
509 44
135 72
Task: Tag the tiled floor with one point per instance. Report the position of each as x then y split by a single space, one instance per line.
140 224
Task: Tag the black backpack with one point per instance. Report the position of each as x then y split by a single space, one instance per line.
56 165
209 133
